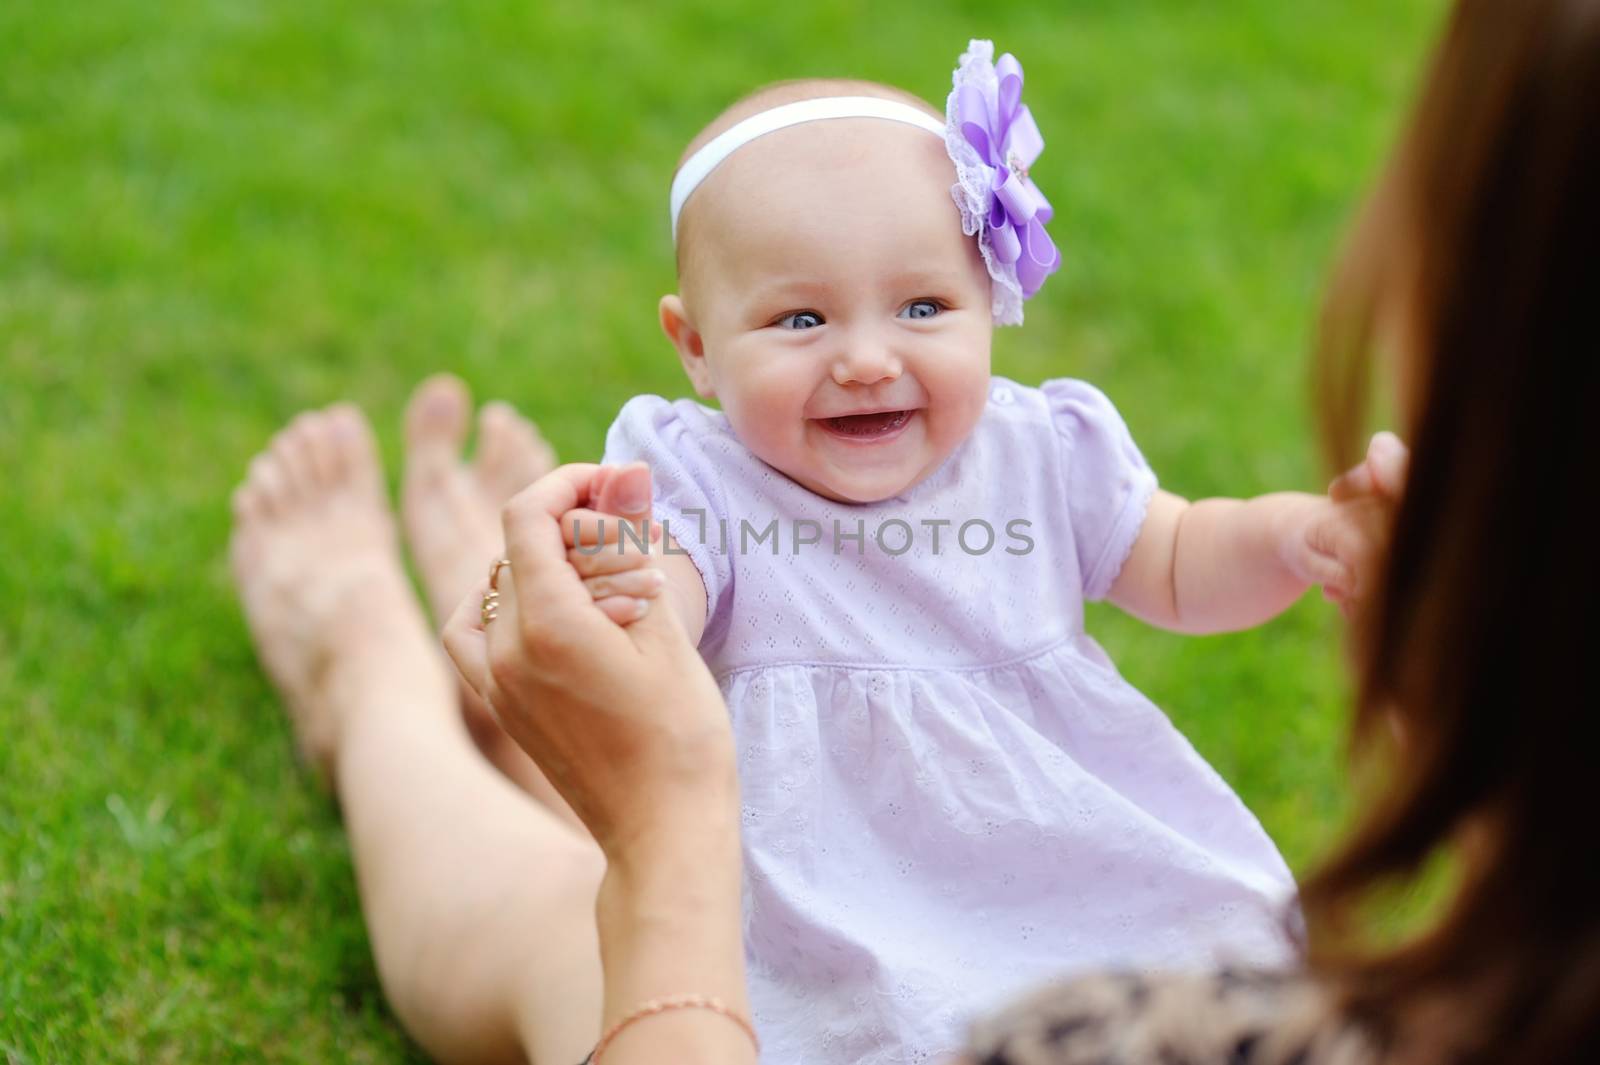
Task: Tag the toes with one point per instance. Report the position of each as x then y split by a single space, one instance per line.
322 448
247 503
511 453
497 441
317 450
436 420
541 456
352 448
267 483
292 448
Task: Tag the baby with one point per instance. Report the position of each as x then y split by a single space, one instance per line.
884 552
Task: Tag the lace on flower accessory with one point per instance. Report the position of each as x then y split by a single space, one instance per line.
993 140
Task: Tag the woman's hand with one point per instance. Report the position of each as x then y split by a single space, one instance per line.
629 726
1341 542
625 721
611 553
1382 474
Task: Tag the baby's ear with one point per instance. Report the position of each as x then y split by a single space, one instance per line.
685 338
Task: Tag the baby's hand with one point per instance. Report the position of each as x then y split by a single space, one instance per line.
610 559
1337 545
1339 542
1382 474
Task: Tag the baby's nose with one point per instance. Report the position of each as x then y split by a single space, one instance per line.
866 363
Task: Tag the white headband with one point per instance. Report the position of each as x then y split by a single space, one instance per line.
724 144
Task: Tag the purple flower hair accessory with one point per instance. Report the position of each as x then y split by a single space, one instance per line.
993 140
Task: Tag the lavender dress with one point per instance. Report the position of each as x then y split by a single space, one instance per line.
949 792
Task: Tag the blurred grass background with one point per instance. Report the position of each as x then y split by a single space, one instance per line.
215 213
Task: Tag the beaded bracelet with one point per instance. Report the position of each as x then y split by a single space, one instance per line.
676 1002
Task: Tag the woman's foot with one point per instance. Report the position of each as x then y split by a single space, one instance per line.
451 508
317 566
451 512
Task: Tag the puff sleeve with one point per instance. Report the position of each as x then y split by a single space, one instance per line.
1106 480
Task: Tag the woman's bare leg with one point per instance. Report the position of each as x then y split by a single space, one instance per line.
479 900
450 512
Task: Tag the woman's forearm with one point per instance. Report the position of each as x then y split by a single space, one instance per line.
669 921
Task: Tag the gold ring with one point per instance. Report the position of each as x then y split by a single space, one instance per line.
491 598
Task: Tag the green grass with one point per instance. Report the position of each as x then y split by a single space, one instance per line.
214 214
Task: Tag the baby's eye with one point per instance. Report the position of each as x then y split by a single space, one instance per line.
919 309
800 320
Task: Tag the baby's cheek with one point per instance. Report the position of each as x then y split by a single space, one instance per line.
766 428
954 420
958 380
769 413
764 400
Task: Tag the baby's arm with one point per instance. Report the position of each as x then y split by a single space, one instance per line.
1218 565
685 590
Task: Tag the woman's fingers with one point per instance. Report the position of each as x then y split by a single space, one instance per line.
594 528
615 533
623 609
626 491
613 493
639 583
1352 483
1381 473
465 643
590 562
539 570
613 705
1389 459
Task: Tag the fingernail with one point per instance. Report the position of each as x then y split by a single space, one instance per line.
633 491
656 579
641 607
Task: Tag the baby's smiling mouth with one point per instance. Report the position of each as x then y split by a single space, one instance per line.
867 428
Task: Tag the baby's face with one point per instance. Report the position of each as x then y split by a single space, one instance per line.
845 318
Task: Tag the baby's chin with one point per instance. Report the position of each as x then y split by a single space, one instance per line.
860 487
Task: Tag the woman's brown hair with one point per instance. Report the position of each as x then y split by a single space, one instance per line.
1477 267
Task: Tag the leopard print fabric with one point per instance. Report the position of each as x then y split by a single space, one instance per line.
1229 1017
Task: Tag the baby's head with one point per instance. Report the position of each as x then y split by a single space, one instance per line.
828 298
